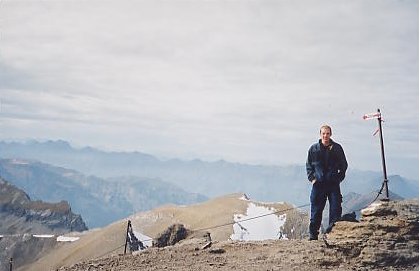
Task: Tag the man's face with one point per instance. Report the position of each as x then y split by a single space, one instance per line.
325 136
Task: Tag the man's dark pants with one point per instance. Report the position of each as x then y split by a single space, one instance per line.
319 195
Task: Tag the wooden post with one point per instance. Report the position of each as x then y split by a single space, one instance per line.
126 236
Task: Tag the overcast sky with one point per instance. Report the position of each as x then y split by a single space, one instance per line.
245 81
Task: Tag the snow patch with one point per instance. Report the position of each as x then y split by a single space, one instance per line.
43 235
67 239
246 198
146 240
261 228
18 162
69 174
46 213
270 202
371 208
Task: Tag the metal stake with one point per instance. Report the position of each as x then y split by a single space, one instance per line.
126 236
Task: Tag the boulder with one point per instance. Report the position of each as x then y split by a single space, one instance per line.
172 235
387 235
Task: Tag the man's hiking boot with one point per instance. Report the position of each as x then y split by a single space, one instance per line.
313 237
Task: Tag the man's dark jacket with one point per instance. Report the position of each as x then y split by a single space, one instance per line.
326 164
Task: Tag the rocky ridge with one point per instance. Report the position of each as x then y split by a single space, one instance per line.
22 215
386 238
100 201
28 229
203 219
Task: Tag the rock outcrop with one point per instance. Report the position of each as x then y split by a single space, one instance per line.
387 235
172 235
29 228
22 215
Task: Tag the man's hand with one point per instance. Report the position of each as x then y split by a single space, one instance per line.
313 181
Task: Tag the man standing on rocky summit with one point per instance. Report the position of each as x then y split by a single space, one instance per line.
326 168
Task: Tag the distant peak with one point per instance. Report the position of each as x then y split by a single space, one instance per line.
244 197
58 143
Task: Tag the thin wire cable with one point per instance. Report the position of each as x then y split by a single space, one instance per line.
256 217
242 220
377 196
365 206
252 218
248 219
106 253
280 211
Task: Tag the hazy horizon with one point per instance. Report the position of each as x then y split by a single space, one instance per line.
244 81
186 159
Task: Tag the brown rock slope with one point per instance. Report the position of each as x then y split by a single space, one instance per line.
385 239
207 216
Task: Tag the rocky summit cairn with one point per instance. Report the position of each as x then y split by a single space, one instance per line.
387 235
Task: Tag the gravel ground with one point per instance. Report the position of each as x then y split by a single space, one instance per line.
386 238
267 255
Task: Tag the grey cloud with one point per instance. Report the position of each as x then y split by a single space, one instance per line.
239 80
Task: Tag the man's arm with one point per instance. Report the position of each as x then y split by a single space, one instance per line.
310 171
342 161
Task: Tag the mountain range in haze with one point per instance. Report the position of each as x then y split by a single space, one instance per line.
261 182
105 187
99 201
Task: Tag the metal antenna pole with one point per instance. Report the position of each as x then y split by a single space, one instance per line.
383 157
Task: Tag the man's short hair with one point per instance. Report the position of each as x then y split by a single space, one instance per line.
325 126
